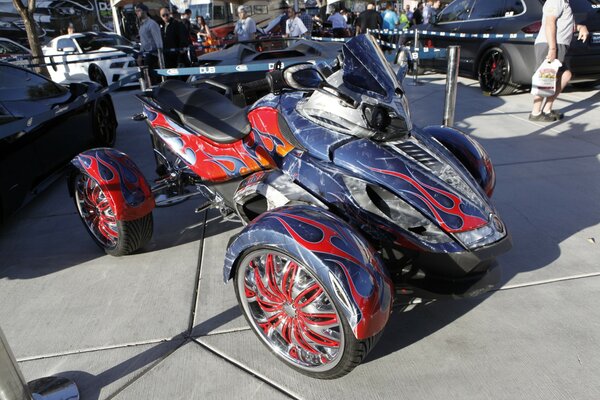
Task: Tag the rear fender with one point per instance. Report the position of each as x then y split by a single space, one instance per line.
122 182
342 259
469 152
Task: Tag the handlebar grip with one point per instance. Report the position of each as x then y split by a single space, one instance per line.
254 86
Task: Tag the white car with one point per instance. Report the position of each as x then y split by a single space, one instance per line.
101 57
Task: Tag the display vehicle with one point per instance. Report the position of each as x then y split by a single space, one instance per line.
345 202
48 144
101 57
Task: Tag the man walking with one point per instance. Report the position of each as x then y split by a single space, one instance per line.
150 41
552 42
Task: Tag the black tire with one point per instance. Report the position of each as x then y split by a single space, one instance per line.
96 75
116 238
494 73
331 360
104 122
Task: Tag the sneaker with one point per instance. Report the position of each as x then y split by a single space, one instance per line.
555 114
542 117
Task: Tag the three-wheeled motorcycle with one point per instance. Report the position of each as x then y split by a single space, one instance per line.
345 203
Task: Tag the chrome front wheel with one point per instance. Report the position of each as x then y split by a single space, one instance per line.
294 315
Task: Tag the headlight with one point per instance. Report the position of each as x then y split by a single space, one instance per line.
383 203
387 124
117 65
487 234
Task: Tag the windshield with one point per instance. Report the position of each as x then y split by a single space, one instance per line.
93 42
366 69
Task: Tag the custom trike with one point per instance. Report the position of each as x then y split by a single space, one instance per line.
345 202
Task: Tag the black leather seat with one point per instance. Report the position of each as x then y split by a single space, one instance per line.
205 111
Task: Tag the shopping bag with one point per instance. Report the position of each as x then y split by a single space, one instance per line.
543 82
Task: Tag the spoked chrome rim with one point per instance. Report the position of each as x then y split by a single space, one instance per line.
290 310
95 211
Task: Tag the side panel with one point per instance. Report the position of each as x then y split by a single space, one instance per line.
346 264
121 180
469 152
216 162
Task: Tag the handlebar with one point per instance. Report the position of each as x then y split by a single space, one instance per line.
254 86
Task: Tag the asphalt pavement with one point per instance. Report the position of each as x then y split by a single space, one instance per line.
161 324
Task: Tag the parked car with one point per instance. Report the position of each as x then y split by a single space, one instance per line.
30 158
288 51
98 56
14 53
503 64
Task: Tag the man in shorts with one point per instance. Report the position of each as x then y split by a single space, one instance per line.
552 42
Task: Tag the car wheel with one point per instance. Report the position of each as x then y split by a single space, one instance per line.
105 122
495 73
116 238
295 316
98 76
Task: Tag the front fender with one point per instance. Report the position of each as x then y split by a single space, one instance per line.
469 152
120 179
343 260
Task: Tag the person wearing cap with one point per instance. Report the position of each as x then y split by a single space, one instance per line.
150 40
245 27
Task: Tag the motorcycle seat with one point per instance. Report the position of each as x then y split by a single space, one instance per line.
204 111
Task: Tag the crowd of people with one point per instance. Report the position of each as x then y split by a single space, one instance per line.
377 17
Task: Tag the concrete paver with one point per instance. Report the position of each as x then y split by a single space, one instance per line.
513 344
192 372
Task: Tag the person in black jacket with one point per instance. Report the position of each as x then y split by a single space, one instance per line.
175 40
368 19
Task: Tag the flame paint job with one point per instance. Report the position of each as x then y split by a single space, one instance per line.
121 181
434 198
215 162
334 251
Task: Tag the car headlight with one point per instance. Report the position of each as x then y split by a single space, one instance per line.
117 65
384 203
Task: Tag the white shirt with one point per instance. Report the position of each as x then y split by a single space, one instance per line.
294 27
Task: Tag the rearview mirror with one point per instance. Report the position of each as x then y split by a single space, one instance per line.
303 77
68 49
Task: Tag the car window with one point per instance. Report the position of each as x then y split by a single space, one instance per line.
484 9
63 43
10 48
513 7
456 11
17 84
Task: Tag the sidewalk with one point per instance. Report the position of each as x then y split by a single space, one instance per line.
162 325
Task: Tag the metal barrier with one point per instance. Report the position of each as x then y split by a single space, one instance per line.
451 80
14 387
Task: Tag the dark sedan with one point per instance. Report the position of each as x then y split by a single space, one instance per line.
33 150
269 51
502 64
